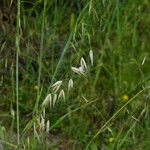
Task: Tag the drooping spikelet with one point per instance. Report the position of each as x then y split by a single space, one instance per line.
91 57
70 84
61 95
47 126
83 64
47 100
54 99
56 86
79 70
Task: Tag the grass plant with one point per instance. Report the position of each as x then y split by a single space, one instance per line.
74 75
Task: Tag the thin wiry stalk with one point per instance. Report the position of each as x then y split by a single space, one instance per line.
113 116
18 26
119 144
118 40
61 58
55 30
68 113
71 36
40 58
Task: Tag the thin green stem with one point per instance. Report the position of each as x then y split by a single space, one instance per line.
118 43
18 26
71 36
40 59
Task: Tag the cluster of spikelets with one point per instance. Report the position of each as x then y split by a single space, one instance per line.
83 67
58 93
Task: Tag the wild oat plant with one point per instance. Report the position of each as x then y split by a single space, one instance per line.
57 95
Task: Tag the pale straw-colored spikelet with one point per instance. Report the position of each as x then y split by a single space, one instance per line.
12 113
70 84
143 61
91 57
54 99
83 63
50 100
56 86
76 70
79 70
61 95
43 112
57 83
47 126
46 100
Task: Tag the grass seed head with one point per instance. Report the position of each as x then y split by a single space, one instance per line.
143 61
44 112
57 83
50 100
83 63
56 86
47 126
12 113
54 99
61 95
70 84
47 100
91 57
79 70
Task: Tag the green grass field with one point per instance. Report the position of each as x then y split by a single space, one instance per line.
75 75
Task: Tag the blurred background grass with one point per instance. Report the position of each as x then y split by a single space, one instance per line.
54 35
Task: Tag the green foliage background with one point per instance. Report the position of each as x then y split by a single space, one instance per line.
54 35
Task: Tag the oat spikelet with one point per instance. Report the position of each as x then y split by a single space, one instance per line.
50 100
54 99
76 70
47 126
55 89
143 60
61 95
46 100
12 113
56 85
91 57
79 70
83 63
44 112
70 84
